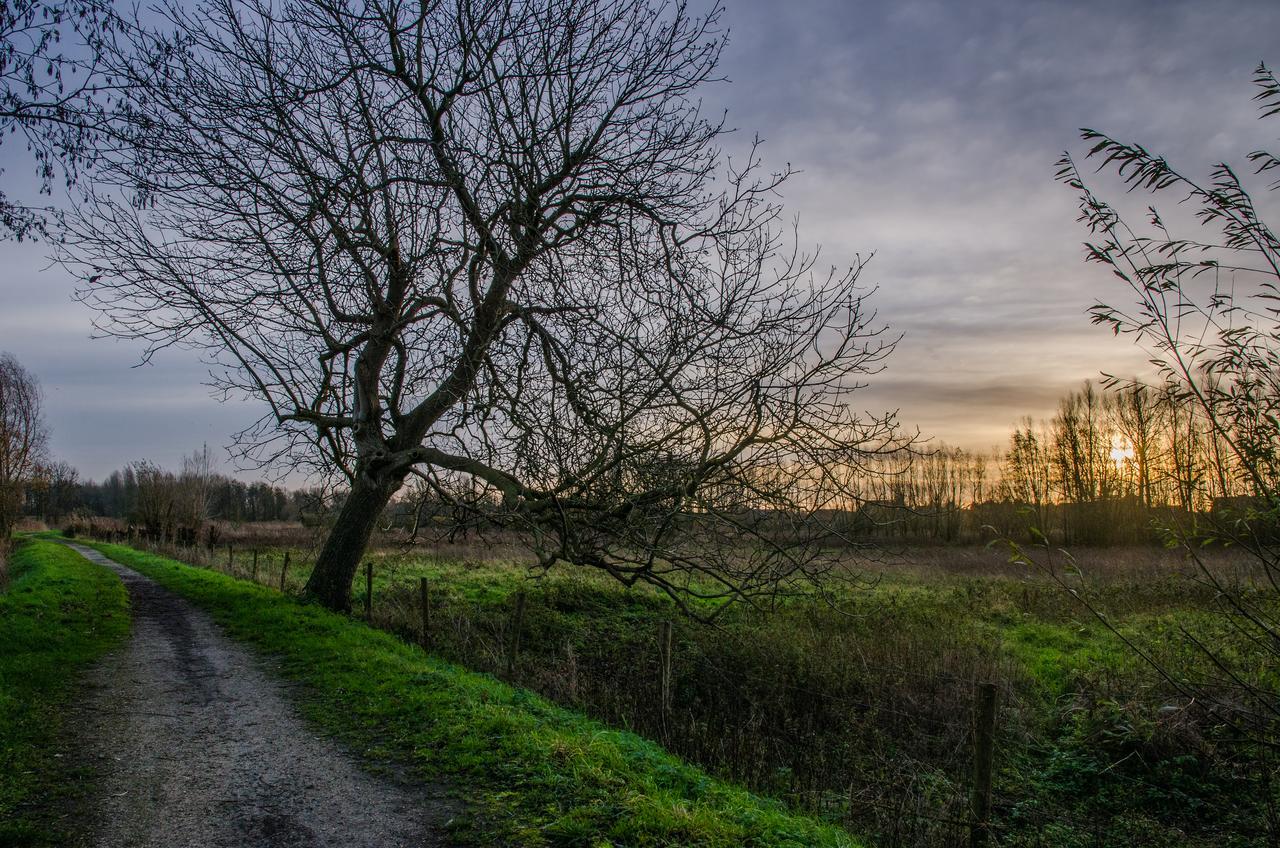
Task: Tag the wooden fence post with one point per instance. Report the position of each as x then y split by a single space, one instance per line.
665 641
230 557
368 591
284 571
424 597
984 736
255 565
517 624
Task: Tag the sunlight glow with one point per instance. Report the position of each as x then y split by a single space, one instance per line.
1121 450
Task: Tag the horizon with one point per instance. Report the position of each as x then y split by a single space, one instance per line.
923 134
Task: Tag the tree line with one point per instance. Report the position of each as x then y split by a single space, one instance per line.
1100 470
1107 466
160 502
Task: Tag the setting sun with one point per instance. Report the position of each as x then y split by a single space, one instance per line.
529 448
1121 450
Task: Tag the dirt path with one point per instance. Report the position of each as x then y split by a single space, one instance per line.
196 745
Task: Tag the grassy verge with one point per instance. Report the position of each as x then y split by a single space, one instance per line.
59 613
862 716
536 774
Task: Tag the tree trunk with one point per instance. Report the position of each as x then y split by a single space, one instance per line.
339 559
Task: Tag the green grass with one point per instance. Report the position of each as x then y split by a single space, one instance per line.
858 716
59 614
1056 655
533 773
1082 738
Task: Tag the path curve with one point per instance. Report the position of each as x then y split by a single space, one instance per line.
195 744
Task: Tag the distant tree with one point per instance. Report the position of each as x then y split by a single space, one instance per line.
48 82
163 501
1027 470
23 445
196 486
155 506
1140 420
59 492
116 496
1081 446
1183 470
492 245
1206 306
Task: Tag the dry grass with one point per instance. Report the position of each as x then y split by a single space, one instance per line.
30 525
1101 566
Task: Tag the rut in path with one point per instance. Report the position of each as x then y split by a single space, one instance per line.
195 744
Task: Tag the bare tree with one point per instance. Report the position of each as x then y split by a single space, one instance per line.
1081 446
1139 419
493 245
156 501
49 88
23 443
1205 307
196 484
57 494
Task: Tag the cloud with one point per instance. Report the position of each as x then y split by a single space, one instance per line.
925 131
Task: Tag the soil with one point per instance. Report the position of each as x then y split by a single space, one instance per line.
194 742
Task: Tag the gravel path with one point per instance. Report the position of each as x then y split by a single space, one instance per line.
196 745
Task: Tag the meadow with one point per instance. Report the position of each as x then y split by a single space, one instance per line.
859 709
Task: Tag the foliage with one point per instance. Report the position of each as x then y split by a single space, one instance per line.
1205 307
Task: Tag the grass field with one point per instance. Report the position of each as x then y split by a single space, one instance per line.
535 774
860 715
58 615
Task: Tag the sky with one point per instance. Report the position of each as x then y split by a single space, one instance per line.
923 132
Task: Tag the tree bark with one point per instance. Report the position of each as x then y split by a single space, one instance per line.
330 581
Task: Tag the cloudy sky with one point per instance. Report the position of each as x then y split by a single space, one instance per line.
925 132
